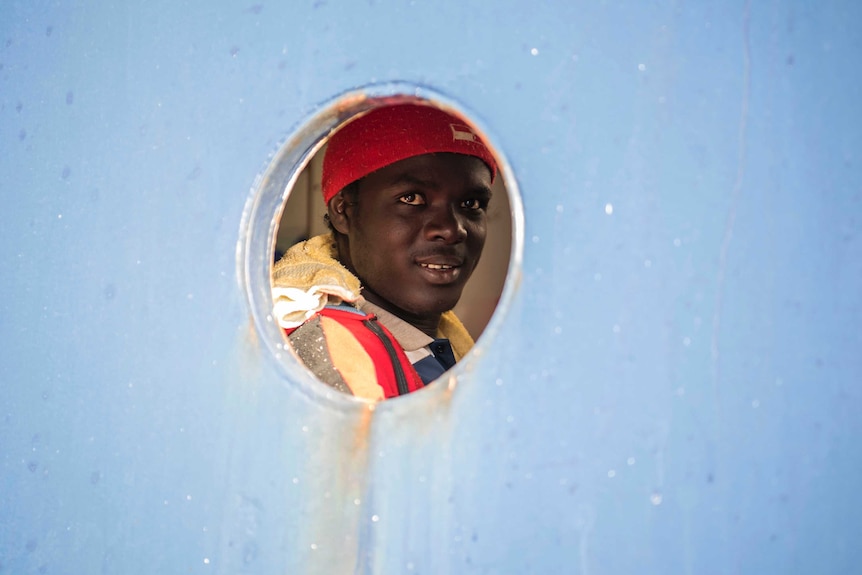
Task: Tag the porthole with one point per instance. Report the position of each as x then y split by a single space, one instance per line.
438 196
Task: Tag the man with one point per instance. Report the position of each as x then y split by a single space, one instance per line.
367 307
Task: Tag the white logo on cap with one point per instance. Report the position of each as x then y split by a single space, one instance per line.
460 132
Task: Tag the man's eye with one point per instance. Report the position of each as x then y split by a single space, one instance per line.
474 204
412 199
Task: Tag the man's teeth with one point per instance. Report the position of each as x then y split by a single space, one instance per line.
437 267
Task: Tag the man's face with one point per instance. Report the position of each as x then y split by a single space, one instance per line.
416 231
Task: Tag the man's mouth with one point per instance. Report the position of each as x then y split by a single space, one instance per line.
441 269
438 266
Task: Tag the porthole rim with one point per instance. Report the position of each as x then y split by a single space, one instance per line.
264 207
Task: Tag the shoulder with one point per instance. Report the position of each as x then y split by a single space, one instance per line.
349 350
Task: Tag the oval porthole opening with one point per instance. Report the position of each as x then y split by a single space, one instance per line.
287 207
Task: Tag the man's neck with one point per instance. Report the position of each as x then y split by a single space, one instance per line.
425 324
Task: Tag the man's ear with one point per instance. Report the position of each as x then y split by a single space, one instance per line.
337 211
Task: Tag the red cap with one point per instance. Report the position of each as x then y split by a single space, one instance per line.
391 133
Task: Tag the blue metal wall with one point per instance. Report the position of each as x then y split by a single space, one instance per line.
673 389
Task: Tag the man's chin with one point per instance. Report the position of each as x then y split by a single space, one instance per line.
440 305
427 301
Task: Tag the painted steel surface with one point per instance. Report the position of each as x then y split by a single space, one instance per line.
673 387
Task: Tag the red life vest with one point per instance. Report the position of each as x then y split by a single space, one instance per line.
392 371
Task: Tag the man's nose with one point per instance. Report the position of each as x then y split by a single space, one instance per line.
446 224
